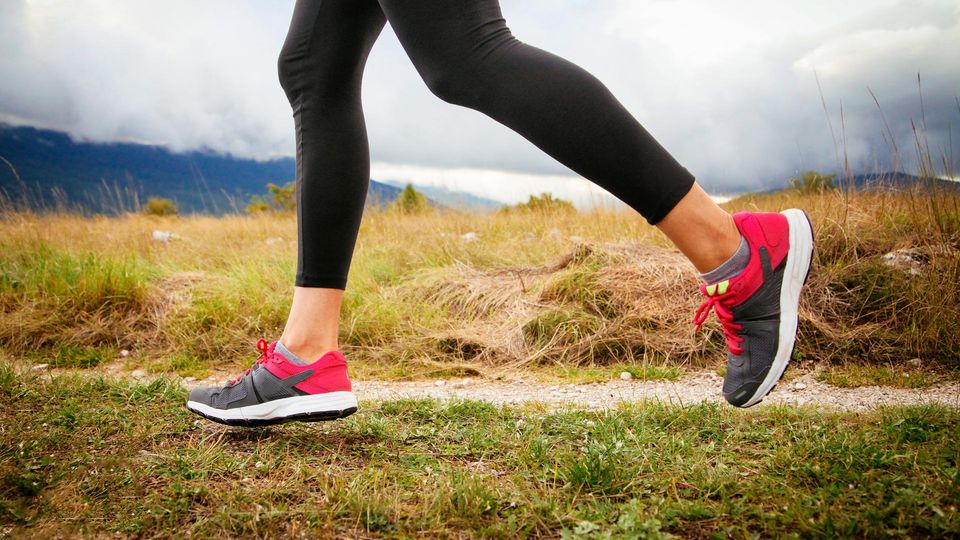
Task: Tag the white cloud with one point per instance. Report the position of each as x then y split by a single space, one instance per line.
503 186
727 87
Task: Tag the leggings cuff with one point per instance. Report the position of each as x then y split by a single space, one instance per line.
671 197
321 282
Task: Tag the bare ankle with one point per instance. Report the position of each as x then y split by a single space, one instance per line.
309 349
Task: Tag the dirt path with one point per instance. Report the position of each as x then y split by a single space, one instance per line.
695 388
804 390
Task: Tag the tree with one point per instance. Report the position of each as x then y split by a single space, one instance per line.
280 199
411 201
158 206
813 183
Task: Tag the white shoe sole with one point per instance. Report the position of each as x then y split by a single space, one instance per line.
329 406
794 276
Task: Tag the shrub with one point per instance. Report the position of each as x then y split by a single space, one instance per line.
411 201
158 206
545 202
279 199
812 183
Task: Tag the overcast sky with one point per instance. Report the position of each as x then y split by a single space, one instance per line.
728 87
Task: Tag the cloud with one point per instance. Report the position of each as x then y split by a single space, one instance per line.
747 75
185 74
499 185
729 88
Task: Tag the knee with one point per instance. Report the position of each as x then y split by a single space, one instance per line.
289 70
304 76
459 86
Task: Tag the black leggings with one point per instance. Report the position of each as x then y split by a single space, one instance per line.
467 56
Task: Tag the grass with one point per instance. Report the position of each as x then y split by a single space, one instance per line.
856 375
573 374
89 456
423 302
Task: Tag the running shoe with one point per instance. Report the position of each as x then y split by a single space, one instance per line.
275 390
758 307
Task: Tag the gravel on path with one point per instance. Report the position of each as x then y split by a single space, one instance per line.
701 387
694 388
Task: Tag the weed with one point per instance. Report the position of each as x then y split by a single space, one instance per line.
75 356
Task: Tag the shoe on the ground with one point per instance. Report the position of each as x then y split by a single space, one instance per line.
758 307
275 390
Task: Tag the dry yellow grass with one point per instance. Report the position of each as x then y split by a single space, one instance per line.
526 289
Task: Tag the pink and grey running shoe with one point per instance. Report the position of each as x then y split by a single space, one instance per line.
758 307
275 390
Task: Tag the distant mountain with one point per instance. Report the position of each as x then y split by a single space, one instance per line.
108 177
449 198
879 181
897 180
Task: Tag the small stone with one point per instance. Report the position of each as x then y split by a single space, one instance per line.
189 379
469 237
462 384
259 464
124 353
40 367
915 362
625 375
441 382
138 374
799 386
164 236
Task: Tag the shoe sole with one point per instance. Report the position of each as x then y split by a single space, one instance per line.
794 278
315 408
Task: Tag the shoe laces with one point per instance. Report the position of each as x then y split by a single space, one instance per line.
719 303
265 354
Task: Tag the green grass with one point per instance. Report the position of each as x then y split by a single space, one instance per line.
88 456
643 371
74 356
183 364
857 375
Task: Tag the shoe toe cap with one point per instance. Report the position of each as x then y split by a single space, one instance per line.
740 385
202 395
741 395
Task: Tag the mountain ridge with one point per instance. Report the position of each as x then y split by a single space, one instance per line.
55 170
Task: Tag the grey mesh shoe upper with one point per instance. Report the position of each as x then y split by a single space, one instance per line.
254 387
759 318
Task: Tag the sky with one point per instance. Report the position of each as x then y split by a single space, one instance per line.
744 93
